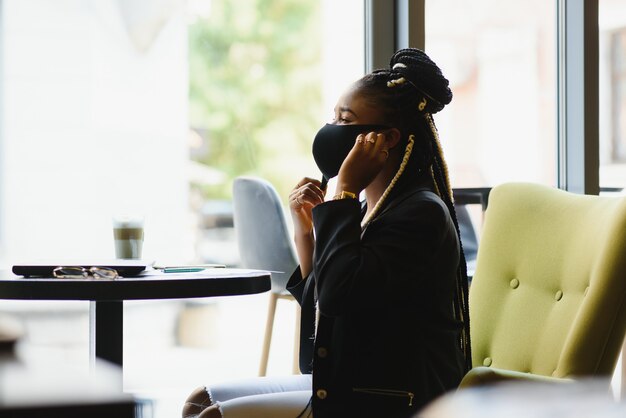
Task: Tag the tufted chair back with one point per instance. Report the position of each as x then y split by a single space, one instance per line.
549 295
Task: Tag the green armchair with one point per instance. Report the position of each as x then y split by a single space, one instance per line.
548 299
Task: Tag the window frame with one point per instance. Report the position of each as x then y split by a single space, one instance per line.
578 161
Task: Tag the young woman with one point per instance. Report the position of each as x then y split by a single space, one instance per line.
382 283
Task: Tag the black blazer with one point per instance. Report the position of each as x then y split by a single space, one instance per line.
386 342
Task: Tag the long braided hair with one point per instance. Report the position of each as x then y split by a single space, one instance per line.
408 93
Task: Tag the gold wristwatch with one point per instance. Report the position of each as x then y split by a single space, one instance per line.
344 195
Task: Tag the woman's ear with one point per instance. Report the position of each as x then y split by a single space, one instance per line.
392 136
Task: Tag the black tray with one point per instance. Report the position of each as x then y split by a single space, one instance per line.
125 268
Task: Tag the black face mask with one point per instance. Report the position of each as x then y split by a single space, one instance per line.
333 143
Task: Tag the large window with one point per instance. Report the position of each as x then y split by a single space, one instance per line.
500 60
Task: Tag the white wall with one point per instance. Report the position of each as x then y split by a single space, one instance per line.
92 125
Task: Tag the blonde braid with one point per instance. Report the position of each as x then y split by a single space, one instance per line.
405 160
444 165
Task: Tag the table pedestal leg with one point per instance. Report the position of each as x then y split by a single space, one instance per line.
106 331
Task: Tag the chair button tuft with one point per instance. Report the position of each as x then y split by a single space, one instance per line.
586 290
558 295
322 352
514 283
321 394
487 362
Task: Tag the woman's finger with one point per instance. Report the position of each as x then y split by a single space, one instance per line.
370 139
312 195
307 180
312 192
306 192
295 201
379 143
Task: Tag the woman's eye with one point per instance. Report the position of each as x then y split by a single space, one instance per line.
340 120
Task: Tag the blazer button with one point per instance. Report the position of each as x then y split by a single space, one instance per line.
322 352
321 393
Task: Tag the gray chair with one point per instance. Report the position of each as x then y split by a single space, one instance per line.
265 243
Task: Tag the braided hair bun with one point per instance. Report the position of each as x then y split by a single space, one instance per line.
417 67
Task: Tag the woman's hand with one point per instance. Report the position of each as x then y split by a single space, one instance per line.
303 198
363 163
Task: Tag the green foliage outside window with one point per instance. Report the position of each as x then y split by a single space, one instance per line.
255 89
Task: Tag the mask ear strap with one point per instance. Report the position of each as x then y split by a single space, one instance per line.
324 183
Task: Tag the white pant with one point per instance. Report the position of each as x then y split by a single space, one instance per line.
263 397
